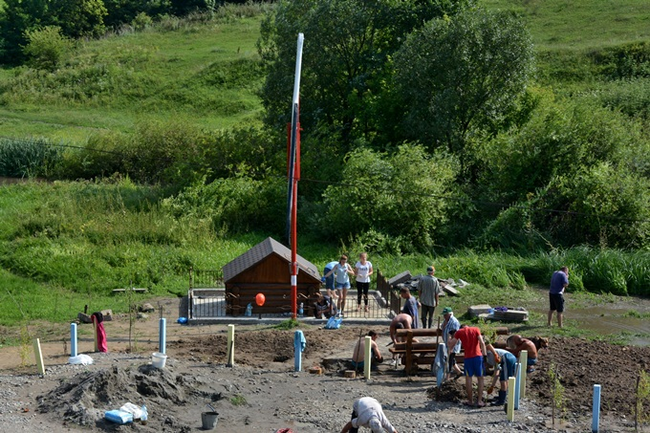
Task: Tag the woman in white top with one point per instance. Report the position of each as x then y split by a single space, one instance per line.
363 270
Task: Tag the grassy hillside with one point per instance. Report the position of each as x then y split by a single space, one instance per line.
203 72
581 24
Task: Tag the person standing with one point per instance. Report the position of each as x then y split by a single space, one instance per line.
429 291
474 347
451 324
410 305
367 412
559 282
342 271
363 270
329 281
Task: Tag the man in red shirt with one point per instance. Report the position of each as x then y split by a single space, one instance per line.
474 348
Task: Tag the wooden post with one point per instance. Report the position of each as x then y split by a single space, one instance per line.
409 352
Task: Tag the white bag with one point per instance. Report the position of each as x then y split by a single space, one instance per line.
80 359
132 409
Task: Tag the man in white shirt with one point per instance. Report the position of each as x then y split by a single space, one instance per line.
367 412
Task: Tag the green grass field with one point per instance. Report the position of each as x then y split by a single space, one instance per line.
581 24
201 73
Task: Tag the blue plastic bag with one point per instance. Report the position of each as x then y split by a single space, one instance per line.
334 322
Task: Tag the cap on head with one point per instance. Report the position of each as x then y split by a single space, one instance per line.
431 269
375 426
490 359
447 310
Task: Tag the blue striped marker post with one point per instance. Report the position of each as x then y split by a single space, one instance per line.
518 379
162 335
596 411
73 339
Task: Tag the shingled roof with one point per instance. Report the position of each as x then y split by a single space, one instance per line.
259 252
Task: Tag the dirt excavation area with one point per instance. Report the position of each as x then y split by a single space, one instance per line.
262 392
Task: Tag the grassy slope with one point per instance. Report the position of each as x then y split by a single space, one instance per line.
581 24
154 74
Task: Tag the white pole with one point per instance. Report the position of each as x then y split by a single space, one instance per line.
231 345
367 353
523 358
162 335
39 356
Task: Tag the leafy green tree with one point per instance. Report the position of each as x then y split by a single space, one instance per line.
460 77
345 69
46 47
401 197
16 18
80 18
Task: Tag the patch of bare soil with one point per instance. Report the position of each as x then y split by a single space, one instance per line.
263 393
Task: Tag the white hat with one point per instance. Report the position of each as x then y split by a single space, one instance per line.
375 426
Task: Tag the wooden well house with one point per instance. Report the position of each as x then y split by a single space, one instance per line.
265 268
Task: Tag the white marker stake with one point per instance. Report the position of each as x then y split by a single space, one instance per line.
367 361
523 358
231 345
39 356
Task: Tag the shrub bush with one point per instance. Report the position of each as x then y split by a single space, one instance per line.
46 47
28 157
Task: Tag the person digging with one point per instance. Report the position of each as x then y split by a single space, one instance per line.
504 364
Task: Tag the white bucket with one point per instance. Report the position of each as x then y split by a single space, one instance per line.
158 359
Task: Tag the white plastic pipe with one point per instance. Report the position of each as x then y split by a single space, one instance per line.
596 410
162 335
73 339
518 379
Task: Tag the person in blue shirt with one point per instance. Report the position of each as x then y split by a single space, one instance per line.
341 271
559 282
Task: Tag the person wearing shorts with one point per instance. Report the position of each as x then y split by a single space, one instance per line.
329 281
341 271
474 347
559 282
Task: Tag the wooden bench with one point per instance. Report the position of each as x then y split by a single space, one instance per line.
416 353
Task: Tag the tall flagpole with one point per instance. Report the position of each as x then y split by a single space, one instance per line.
294 175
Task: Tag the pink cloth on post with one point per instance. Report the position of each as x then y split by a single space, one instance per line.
101 335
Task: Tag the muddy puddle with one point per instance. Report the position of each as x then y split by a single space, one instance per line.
606 318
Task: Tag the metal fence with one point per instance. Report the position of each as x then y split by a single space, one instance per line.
207 299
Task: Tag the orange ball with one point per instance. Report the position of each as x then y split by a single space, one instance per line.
260 299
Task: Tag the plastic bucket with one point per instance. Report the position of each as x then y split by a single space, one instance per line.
209 420
158 359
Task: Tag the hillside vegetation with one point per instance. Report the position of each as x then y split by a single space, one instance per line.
159 147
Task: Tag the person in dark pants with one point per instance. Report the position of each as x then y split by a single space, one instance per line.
428 290
559 282
363 270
